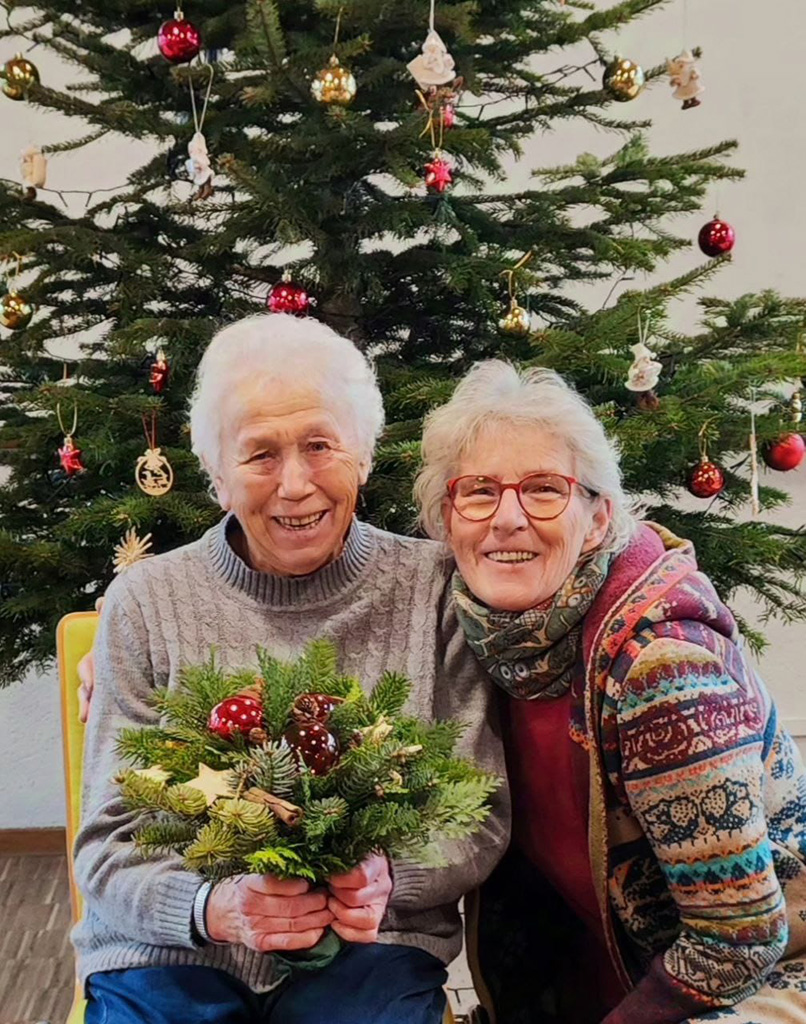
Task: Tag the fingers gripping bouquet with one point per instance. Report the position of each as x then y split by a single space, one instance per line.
296 773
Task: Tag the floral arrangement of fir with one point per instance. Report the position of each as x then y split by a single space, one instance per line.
296 772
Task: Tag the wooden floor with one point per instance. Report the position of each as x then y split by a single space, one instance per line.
36 959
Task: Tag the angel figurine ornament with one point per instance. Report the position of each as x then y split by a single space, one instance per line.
34 170
434 66
685 78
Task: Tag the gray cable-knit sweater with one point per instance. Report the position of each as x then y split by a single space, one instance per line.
385 602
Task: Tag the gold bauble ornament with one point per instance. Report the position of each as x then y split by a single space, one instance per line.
516 322
153 473
624 79
15 311
18 75
334 84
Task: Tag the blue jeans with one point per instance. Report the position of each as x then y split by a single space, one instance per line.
376 984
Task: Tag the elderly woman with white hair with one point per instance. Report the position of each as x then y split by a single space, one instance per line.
284 418
659 811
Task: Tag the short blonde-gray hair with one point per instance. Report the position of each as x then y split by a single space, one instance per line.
496 392
288 351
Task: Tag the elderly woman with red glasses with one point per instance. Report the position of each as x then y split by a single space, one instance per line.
657 870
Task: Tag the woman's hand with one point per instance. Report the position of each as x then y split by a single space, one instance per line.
358 899
86 675
266 914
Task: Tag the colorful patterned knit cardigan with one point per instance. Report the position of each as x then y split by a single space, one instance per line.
698 797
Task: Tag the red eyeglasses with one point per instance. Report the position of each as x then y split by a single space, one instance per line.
541 495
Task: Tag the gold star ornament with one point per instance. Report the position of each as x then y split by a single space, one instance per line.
212 783
131 549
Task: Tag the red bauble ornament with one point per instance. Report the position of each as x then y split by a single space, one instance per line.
784 454
235 714
288 297
314 707
70 457
179 40
158 376
716 237
706 480
438 174
316 745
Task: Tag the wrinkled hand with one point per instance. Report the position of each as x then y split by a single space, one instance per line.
266 914
358 899
86 675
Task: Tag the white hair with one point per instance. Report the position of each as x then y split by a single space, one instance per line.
495 392
287 352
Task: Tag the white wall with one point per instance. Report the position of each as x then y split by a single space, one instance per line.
751 70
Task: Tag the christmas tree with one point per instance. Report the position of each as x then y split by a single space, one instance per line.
321 165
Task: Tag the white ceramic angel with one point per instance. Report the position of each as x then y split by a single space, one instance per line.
198 163
34 169
685 78
434 66
645 371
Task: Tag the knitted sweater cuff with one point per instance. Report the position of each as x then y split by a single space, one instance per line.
408 882
173 910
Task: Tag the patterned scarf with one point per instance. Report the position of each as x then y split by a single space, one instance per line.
532 654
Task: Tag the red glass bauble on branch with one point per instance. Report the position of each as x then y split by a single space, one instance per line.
315 744
179 40
235 714
784 454
314 707
706 480
716 237
288 297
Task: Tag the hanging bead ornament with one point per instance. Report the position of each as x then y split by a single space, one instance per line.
179 40
439 170
716 237
516 323
434 66
159 373
334 85
706 480
33 170
198 166
439 103
644 373
624 79
15 309
288 297
70 453
684 77
18 75
153 473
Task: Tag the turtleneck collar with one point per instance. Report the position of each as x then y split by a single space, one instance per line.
289 591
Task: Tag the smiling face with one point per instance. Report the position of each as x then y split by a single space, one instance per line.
289 470
512 562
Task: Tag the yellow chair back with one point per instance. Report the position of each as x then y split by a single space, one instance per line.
74 637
